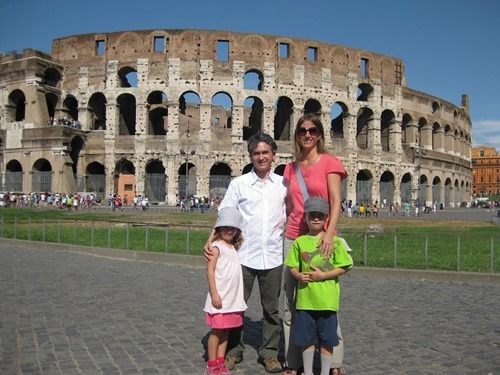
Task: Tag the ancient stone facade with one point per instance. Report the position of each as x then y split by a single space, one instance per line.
166 113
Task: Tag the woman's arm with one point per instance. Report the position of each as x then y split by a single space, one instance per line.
326 242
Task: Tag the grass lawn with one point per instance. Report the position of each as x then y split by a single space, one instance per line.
408 244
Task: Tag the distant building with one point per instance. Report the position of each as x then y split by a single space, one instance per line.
486 166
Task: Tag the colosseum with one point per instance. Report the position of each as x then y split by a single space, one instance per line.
166 114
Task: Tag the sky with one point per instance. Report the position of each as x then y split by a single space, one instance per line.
449 47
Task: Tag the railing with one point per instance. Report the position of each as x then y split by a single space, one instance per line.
451 252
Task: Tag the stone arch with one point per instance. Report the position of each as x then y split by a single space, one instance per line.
14 176
222 110
52 77
436 136
405 187
155 181
127 114
283 118
124 176
51 100
280 169
16 109
387 186
338 113
127 77
364 186
254 116
436 189
70 106
423 183
405 129
97 106
388 130
247 168
447 192
157 113
187 180
365 115
77 145
312 106
220 177
41 176
365 92
189 111
253 80
95 178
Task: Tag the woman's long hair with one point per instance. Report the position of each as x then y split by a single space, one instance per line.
320 146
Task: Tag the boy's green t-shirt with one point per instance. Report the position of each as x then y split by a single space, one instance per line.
317 295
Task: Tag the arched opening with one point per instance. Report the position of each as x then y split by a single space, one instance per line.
96 178
156 182
97 105
364 184
254 111
125 178
126 104
387 123
52 77
447 192
282 118
365 115
14 176
189 112
405 188
313 106
51 100
253 80
422 189
387 187
365 92
42 176
222 115
17 106
158 113
404 129
70 106
187 180
436 189
128 77
77 144
220 177
338 113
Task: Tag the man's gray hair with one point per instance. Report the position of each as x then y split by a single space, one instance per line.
254 140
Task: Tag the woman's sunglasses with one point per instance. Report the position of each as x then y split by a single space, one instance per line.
312 131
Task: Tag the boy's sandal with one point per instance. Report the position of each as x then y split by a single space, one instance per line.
338 371
290 371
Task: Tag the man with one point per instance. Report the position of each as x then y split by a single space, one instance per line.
260 197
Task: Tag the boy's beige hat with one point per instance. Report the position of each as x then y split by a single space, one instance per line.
316 204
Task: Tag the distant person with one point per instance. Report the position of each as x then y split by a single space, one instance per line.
225 302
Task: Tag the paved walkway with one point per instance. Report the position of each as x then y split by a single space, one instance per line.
64 312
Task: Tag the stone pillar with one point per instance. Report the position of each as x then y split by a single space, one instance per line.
173 121
268 120
141 119
237 129
426 137
142 72
112 80
350 128
374 139
325 119
438 138
205 130
395 137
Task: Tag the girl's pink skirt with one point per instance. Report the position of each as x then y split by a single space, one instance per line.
225 320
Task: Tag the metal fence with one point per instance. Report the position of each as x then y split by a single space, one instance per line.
451 252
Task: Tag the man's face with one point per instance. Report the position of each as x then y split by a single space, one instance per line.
262 158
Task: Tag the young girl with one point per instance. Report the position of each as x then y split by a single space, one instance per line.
225 303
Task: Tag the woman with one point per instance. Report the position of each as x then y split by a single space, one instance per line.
322 174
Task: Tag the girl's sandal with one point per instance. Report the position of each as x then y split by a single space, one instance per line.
338 371
290 371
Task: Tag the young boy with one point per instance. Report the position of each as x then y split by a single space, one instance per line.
318 291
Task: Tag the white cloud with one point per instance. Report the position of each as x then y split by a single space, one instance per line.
486 133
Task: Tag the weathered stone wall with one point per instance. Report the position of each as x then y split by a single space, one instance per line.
387 134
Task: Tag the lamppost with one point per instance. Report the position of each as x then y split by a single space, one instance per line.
186 159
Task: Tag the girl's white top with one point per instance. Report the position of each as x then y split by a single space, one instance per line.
228 281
